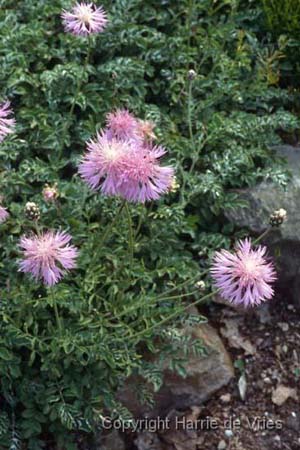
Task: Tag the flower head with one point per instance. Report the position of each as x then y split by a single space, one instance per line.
122 125
32 211
143 178
245 276
103 163
6 125
146 130
50 193
48 256
84 19
3 214
278 217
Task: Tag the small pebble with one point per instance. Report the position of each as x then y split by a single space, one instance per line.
226 398
284 326
229 433
267 380
285 348
222 445
277 438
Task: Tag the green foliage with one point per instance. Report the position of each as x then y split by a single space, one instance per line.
283 16
219 129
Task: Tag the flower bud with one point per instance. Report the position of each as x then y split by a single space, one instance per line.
146 129
50 193
174 185
32 211
278 217
200 285
192 74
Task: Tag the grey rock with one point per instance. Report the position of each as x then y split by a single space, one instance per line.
222 445
284 242
205 375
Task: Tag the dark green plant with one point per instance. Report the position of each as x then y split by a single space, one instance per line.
219 128
283 16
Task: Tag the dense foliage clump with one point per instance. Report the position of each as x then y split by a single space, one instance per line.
137 264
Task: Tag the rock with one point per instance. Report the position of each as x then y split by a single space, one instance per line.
235 339
284 326
242 385
112 441
228 434
205 375
226 398
222 445
282 393
284 242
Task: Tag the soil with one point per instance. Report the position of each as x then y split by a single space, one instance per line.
266 354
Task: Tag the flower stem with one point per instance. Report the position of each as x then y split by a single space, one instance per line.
107 231
263 235
111 225
57 317
173 315
130 234
186 282
191 133
77 91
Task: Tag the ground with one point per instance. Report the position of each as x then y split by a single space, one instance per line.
264 346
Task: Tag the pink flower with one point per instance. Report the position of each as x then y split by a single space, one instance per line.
84 19
143 178
48 256
103 163
244 277
3 214
125 168
122 125
6 125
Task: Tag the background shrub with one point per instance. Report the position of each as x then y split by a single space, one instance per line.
219 129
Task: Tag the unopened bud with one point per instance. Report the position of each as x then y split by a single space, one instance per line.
32 211
174 185
50 193
192 74
200 285
278 217
146 129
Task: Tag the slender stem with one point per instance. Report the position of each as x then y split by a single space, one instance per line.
191 133
77 91
111 225
263 235
108 229
175 314
36 227
190 280
58 320
130 234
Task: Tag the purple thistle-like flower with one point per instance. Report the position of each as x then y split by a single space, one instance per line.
103 163
122 125
244 277
48 256
6 125
143 178
84 19
3 214
125 168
